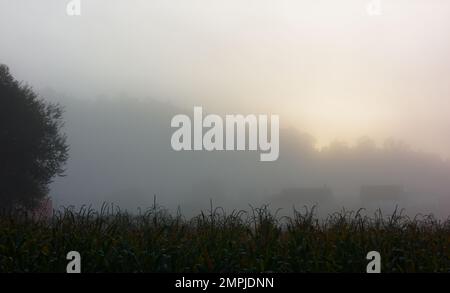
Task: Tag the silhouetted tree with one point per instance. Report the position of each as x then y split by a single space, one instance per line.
32 148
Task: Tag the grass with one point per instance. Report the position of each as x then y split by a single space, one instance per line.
111 240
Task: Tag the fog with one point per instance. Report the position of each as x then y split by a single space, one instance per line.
121 153
363 100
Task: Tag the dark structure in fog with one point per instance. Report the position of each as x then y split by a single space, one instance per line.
384 197
304 196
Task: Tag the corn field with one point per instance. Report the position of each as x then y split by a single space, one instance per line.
110 240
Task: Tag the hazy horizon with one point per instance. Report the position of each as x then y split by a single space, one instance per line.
333 72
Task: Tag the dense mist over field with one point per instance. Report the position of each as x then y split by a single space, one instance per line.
363 99
121 153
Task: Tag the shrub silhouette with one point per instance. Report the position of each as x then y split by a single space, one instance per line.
32 148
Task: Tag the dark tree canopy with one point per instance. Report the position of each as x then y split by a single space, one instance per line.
32 148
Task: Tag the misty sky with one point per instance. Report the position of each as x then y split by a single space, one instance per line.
327 67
